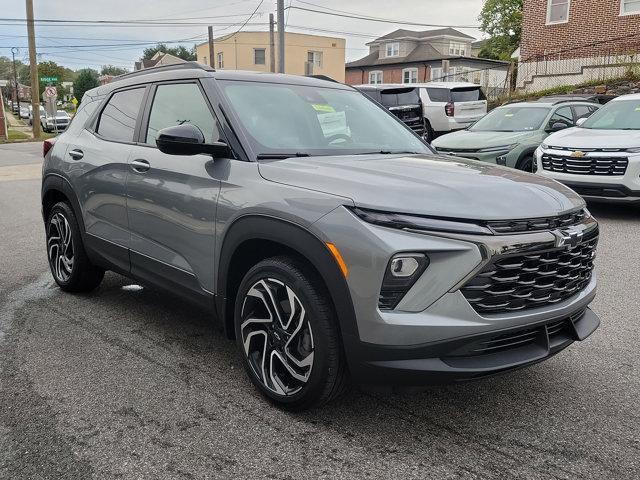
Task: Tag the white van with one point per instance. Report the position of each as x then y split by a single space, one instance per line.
450 106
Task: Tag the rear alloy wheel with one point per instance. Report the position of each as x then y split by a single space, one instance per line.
60 247
70 266
286 331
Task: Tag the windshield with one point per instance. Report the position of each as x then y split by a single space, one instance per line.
304 120
618 115
512 119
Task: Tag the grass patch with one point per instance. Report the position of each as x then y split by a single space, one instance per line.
17 135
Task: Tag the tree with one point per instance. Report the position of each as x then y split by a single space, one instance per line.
502 21
87 79
180 52
112 70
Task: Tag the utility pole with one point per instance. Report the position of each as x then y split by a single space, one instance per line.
280 36
16 98
212 56
272 45
33 63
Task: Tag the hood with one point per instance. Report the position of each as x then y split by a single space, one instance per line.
477 140
591 138
427 185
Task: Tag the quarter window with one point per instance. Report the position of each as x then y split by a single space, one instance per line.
410 75
118 119
393 49
558 11
178 104
259 56
629 7
375 77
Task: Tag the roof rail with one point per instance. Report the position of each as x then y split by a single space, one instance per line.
166 68
575 99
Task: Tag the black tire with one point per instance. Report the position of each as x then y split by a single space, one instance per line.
327 376
82 275
429 135
526 164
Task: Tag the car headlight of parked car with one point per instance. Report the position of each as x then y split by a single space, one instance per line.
415 222
501 149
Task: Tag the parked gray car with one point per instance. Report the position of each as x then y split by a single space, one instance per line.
326 237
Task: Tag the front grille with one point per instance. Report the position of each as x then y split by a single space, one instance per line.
522 281
585 165
537 224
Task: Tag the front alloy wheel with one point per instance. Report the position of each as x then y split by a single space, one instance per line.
286 330
277 337
60 247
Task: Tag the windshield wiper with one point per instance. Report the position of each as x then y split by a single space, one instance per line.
388 152
280 156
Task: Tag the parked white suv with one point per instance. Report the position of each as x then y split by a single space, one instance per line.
599 158
450 106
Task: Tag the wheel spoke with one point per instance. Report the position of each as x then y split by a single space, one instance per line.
60 247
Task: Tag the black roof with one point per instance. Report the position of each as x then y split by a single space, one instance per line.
190 70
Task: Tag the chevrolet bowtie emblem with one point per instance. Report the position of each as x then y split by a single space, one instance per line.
568 238
578 154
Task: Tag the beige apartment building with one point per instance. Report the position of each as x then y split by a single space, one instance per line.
304 54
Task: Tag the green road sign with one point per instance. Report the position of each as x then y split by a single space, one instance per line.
49 79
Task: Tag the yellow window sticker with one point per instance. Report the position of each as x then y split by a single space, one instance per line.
320 107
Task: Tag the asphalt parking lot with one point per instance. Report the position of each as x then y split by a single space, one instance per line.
133 383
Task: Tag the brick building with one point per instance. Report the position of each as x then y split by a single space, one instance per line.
406 56
571 41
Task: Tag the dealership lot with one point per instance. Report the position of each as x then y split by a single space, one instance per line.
129 382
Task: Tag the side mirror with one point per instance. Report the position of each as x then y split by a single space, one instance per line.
187 139
556 127
580 121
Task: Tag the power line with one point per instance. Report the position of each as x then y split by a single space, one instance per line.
381 20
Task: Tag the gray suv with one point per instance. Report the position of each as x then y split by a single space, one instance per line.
326 237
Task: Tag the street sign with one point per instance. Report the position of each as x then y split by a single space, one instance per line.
49 79
50 92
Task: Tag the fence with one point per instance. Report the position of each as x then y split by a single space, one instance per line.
593 62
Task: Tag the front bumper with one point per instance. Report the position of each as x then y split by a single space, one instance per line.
470 357
416 341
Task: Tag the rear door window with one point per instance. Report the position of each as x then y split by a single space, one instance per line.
177 104
117 121
471 94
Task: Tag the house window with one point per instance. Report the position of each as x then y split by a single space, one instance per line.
393 49
436 74
410 75
457 49
220 60
629 7
315 58
375 77
558 11
259 56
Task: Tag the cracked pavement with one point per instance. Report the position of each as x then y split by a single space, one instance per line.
133 383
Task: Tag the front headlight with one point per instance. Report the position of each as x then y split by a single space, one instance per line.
544 146
501 148
415 222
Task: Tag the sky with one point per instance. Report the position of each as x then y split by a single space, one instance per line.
82 45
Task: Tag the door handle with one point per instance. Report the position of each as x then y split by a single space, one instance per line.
140 166
76 154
